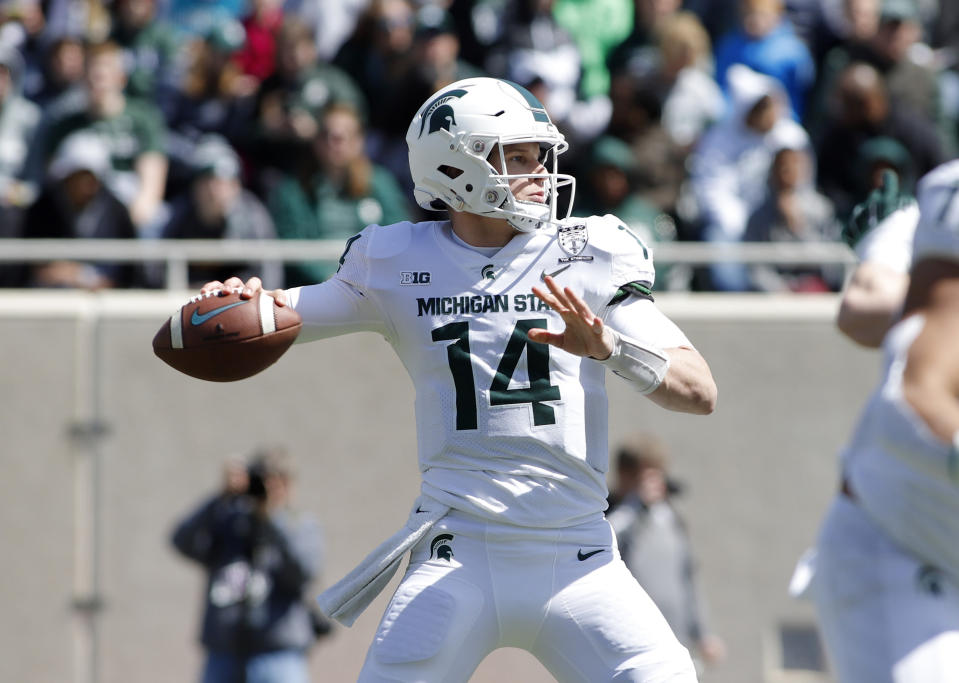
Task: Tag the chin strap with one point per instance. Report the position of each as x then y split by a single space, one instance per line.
642 364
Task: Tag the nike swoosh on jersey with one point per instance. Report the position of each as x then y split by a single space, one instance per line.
585 556
543 274
197 319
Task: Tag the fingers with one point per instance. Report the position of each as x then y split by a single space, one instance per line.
542 336
279 296
565 302
247 289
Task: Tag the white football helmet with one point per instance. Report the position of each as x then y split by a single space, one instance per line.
455 131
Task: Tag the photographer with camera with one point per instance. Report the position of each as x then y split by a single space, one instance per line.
260 556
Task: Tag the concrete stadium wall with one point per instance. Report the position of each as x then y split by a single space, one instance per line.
759 473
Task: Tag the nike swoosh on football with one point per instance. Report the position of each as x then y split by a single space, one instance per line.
197 319
542 275
585 556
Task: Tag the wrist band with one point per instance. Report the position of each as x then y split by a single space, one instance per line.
641 364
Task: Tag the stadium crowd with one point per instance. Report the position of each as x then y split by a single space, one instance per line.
711 120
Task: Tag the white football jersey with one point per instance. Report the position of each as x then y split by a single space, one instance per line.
901 472
938 233
508 429
890 242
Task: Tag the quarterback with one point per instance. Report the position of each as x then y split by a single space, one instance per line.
886 581
506 316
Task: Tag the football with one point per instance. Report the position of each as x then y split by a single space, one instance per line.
220 337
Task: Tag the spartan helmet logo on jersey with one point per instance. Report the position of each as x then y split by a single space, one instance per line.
440 547
453 135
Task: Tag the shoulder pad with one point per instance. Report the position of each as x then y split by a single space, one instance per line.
389 240
610 234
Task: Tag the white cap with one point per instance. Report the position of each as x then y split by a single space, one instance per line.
80 152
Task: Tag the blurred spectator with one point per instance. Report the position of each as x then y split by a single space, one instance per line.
149 50
217 206
19 167
290 101
766 42
637 53
661 162
377 55
77 203
655 544
597 26
260 555
906 65
793 211
434 64
337 193
332 22
681 77
262 23
534 51
843 21
730 165
610 187
63 68
133 131
214 97
861 109
192 18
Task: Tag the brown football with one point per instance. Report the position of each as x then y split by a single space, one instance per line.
222 338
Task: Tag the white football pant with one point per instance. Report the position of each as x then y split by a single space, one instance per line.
885 616
564 595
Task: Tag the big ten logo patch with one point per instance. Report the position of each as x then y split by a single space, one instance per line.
441 548
415 277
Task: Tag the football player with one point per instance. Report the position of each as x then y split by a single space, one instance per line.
507 315
886 579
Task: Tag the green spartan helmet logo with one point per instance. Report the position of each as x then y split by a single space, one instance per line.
440 547
438 114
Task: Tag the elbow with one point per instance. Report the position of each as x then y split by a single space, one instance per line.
705 398
856 329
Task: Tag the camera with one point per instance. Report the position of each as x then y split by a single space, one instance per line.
256 474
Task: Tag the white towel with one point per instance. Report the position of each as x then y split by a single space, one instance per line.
346 599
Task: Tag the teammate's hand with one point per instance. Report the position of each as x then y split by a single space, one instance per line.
876 207
250 287
585 333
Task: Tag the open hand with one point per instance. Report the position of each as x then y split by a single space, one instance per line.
585 333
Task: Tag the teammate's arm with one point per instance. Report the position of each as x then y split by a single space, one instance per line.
871 302
931 378
679 381
882 229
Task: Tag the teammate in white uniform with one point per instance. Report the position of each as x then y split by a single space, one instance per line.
886 580
492 313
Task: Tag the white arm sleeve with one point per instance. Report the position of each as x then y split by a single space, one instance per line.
333 308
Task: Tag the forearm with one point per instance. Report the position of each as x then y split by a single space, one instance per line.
333 308
654 355
688 386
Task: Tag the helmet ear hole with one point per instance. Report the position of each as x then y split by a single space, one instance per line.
450 171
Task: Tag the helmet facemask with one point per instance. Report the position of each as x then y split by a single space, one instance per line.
527 216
